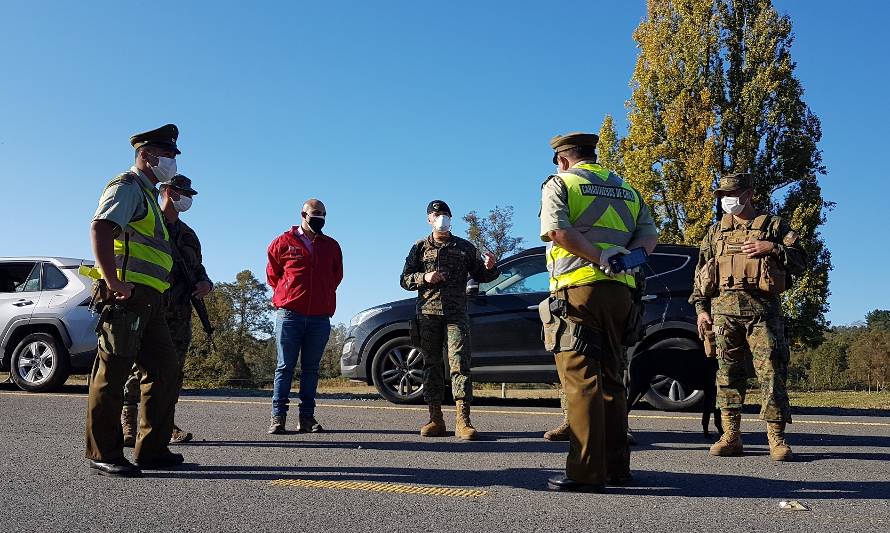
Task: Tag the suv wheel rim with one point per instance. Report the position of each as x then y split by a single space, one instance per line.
36 362
671 389
402 371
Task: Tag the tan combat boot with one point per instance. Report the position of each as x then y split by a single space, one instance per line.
778 448
559 433
463 428
731 442
436 426
130 424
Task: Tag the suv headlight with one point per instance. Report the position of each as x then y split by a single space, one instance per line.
368 313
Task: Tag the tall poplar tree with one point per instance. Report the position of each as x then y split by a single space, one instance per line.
714 92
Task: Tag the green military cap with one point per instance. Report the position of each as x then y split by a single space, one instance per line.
180 183
572 140
164 136
735 182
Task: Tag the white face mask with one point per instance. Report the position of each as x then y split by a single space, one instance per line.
732 205
183 204
166 168
442 223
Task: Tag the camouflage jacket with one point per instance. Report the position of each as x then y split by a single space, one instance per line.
457 259
186 259
787 253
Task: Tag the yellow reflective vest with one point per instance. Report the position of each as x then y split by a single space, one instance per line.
604 209
142 250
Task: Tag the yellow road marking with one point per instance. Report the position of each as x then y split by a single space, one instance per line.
475 410
378 487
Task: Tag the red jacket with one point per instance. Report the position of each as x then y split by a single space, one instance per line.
302 281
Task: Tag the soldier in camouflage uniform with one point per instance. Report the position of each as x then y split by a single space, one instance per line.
437 267
176 197
744 263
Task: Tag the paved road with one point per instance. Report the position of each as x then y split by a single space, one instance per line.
233 481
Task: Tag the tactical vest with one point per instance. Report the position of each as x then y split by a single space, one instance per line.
142 250
734 270
604 209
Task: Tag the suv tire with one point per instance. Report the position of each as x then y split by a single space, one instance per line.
39 363
668 394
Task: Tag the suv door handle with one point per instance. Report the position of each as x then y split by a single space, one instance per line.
23 303
649 297
532 308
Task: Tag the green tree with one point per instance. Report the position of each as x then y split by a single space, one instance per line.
879 318
330 359
870 358
714 92
492 233
240 313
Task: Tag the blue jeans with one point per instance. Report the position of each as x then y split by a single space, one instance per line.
296 336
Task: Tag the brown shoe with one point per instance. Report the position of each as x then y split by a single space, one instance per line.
778 448
560 433
436 426
463 428
730 444
130 424
276 425
179 436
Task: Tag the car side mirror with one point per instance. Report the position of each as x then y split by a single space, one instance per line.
472 287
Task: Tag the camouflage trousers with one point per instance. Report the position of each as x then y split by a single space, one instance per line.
438 333
179 320
761 338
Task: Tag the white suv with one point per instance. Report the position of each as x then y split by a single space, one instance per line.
47 330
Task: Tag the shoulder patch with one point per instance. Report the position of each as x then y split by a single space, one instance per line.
790 238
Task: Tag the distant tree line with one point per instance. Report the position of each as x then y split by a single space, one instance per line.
850 357
243 352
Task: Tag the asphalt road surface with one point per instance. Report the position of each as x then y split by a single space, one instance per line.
371 471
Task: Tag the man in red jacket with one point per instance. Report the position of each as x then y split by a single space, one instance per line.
304 270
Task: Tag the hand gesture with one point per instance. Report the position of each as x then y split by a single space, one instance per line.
433 277
756 248
704 318
489 260
202 289
121 290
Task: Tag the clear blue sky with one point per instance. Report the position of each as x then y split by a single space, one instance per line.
377 108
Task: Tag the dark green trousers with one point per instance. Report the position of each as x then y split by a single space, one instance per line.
134 331
596 401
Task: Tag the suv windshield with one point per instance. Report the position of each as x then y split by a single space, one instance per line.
524 275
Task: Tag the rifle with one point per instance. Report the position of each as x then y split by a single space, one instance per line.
197 303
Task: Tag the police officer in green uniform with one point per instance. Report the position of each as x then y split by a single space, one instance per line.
133 262
744 264
437 267
589 215
188 280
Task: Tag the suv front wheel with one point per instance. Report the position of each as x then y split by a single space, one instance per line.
397 371
39 363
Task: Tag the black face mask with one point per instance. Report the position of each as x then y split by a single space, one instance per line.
315 223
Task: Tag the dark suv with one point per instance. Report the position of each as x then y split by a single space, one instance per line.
506 330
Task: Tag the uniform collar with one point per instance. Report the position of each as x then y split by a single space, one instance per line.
143 179
434 242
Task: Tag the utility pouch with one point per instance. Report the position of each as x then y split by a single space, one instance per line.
414 332
710 341
120 331
706 278
551 325
772 277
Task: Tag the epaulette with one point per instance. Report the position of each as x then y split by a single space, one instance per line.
127 177
550 177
